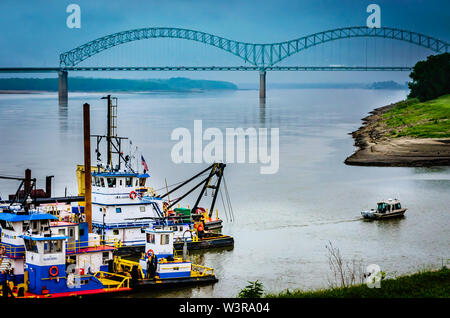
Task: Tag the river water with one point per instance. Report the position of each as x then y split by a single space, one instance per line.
283 221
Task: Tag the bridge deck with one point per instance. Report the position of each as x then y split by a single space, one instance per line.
201 68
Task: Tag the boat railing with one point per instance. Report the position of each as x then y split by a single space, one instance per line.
76 246
12 251
143 190
113 281
124 265
179 253
199 270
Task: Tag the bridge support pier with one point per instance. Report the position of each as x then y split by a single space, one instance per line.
262 84
62 88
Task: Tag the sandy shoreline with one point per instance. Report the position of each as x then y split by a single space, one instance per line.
375 149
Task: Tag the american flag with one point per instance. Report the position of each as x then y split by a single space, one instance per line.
144 163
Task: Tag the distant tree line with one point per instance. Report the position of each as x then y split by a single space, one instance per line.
108 84
430 78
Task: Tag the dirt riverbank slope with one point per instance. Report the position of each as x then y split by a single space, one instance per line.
378 147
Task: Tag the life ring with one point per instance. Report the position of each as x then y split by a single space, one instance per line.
2 250
200 210
53 271
133 195
148 252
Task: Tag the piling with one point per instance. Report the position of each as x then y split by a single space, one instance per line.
48 186
262 84
87 166
63 95
27 182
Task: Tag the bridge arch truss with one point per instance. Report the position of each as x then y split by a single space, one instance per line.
259 55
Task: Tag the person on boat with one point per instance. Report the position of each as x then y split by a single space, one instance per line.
201 230
151 266
134 276
6 290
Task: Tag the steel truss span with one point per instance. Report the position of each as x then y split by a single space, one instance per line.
261 55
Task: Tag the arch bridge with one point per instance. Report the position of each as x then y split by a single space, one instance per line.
262 57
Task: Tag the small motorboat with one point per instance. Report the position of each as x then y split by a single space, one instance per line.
385 209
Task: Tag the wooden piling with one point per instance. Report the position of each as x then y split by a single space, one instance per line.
27 182
87 165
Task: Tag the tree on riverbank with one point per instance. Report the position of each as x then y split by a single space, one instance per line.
430 78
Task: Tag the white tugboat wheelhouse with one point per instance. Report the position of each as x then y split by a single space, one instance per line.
122 205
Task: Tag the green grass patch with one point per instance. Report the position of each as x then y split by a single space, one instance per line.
426 284
430 119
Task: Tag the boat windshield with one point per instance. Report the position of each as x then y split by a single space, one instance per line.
382 207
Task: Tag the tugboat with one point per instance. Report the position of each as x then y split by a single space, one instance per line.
37 263
160 266
123 204
191 229
42 256
14 222
49 276
385 209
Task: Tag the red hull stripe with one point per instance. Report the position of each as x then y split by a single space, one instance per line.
79 293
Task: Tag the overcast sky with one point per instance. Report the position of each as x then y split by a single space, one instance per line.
34 32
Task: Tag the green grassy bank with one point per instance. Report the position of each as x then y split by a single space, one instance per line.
434 284
430 119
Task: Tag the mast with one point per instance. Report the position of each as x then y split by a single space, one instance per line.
111 128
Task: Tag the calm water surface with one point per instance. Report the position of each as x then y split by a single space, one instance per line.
282 221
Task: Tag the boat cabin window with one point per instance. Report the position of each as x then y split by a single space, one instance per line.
102 182
97 181
129 181
118 210
111 182
115 232
397 206
382 207
6 225
54 246
142 208
31 246
142 182
25 226
136 183
164 239
105 258
120 182
151 238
